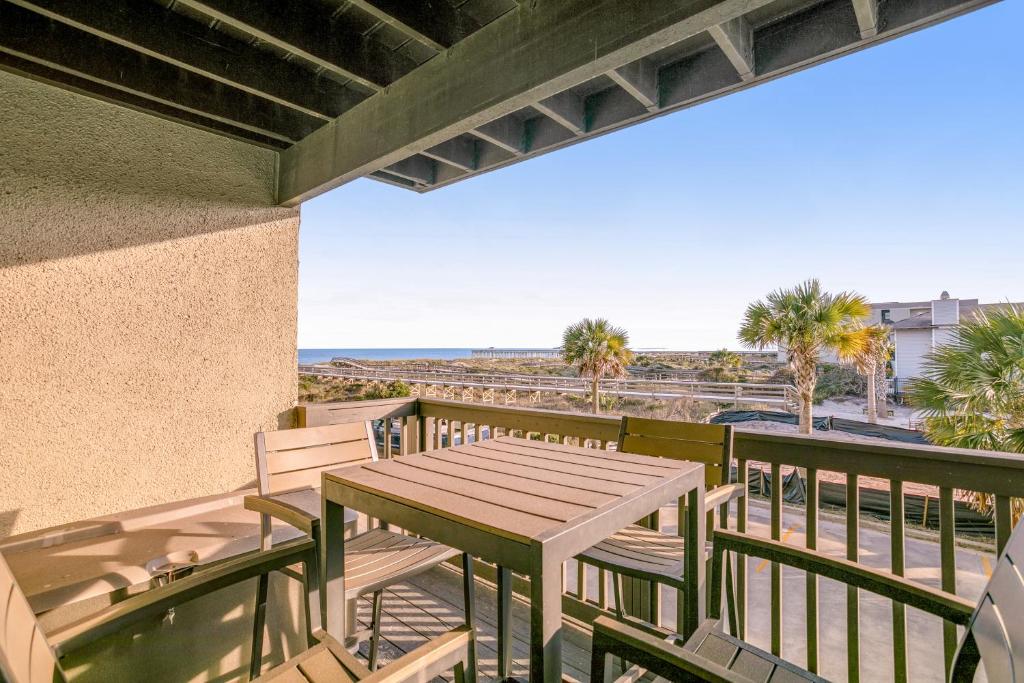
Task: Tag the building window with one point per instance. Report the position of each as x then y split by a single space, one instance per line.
885 316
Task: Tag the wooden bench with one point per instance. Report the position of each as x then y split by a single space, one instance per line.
994 626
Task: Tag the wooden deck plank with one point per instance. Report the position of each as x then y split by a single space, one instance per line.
430 604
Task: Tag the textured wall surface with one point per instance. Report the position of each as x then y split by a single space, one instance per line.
148 293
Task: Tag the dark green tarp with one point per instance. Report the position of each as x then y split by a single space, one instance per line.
823 424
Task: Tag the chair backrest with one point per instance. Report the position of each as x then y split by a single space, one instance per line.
694 441
995 633
25 656
294 458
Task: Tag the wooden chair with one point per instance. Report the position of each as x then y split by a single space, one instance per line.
289 464
994 626
641 551
27 655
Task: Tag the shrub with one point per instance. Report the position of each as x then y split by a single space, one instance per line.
838 380
378 390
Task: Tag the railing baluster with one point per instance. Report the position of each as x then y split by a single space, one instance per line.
741 560
602 589
1004 523
812 578
581 581
403 438
852 594
776 569
476 432
388 451
947 563
429 439
899 611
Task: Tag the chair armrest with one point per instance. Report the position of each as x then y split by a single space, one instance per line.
158 600
652 653
286 512
428 661
946 605
723 494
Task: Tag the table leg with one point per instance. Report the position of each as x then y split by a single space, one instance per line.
469 603
332 579
504 623
695 560
545 618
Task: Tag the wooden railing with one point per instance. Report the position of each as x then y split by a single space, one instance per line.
425 423
735 393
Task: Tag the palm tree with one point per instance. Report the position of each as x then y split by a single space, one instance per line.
597 349
870 359
972 390
805 321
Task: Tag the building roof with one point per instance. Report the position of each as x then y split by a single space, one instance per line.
424 94
968 309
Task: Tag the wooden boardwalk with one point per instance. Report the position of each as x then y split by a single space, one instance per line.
431 603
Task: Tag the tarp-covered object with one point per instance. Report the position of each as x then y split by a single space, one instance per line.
823 424
737 416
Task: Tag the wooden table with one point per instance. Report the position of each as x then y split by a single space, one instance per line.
527 506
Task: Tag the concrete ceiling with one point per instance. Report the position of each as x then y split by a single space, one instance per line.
424 93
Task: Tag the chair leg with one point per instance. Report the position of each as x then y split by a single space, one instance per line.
259 620
617 593
378 600
730 598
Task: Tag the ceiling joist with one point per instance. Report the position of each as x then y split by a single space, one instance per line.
438 25
157 32
33 37
309 30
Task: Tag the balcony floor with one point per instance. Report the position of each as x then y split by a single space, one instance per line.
431 604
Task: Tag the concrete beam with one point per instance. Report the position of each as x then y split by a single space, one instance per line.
521 58
736 39
640 80
817 34
506 132
867 17
309 30
437 25
33 37
565 109
460 152
152 30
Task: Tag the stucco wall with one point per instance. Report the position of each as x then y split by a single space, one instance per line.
148 293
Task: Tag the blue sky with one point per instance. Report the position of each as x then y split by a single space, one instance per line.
896 172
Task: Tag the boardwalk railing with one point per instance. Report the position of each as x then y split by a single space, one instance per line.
735 393
424 424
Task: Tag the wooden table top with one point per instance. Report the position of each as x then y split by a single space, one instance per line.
522 490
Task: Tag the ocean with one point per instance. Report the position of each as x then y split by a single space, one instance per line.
322 355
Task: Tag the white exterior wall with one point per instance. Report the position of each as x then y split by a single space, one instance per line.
946 312
911 347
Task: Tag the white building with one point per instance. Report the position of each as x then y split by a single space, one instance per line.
917 328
